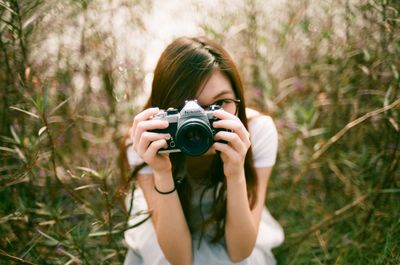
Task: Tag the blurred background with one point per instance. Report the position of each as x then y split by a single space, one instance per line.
73 74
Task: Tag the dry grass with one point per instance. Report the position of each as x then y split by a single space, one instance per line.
72 75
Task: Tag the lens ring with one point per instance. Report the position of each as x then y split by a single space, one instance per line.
194 137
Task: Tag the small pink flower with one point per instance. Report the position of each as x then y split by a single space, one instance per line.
258 92
298 84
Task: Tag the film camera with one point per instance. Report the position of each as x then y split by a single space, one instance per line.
191 129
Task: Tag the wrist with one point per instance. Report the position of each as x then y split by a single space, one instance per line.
163 180
164 192
237 177
162 172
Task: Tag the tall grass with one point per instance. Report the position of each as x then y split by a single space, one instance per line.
71 75
331 74
65 90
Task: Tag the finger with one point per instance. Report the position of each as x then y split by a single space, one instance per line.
228 152
145 115
235 126
230 122
142 116
233 140
153 148
147 138
223 115
148 125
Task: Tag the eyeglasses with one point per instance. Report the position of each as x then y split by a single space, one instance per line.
228 104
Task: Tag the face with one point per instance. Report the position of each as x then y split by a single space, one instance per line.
218 90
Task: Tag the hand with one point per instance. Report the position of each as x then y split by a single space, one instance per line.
233 153
147 144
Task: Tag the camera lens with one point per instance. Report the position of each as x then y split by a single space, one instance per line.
194 137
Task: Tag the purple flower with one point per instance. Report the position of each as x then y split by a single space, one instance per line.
59 249
258 92
298 84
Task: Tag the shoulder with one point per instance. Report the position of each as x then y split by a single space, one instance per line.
259 122
252 113
264 138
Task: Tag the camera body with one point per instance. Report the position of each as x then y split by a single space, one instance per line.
191 129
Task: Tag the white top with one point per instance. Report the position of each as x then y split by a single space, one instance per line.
264 143
143 246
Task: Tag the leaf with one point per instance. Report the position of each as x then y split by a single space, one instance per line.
394 124
42 130
52 239
6 149
86 186
15 135
49 222
395 72
25 111
40 101
104 233
59 106
20 154
89 170
7 7
387 96
367 55
364 69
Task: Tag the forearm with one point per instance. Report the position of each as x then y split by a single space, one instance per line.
240 229
170 224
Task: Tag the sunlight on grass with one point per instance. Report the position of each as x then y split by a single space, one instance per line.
74 74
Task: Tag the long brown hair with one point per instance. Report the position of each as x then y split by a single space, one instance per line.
182 70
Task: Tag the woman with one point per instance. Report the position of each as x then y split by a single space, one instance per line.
207 209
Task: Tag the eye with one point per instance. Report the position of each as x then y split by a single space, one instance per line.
220 102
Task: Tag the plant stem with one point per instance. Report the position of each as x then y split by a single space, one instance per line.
14 258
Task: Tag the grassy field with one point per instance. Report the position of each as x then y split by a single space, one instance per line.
73 74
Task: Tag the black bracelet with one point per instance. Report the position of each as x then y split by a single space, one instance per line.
165 192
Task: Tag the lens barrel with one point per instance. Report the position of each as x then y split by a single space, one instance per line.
194 137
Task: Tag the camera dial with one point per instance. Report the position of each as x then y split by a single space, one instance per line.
172 111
